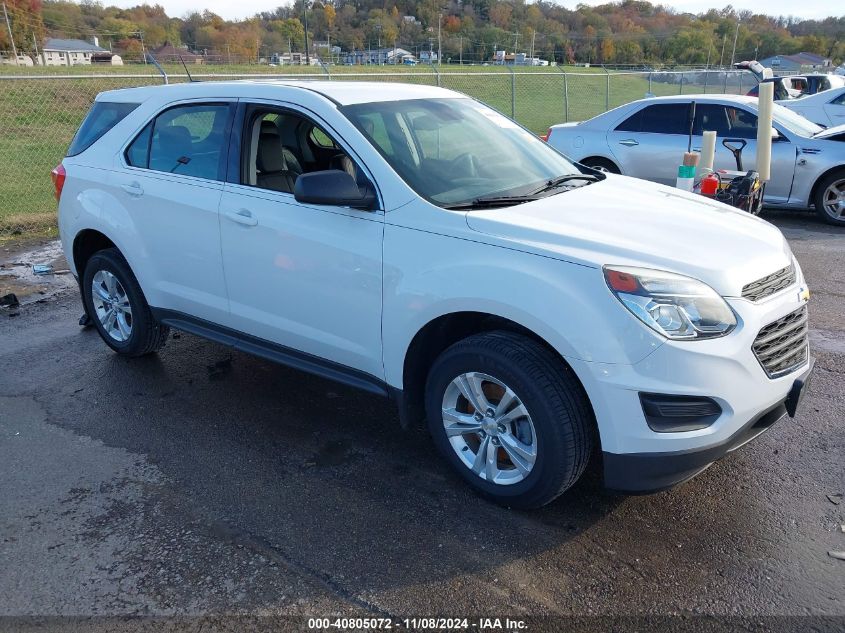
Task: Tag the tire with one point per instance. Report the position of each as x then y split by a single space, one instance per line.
559 425
133 331
601 164
825 193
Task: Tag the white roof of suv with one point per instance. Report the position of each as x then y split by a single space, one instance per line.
341 92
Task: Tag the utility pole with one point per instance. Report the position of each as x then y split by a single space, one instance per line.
736 35
722 56
515 43
533 38
11 37
305 10
143 48
439 41
461 54
35 44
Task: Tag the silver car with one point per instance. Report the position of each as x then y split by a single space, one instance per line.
647 139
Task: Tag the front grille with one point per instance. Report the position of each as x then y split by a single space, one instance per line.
770 284
782 346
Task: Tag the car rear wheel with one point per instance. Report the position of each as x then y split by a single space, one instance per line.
117 307
601 164
830 198
511 418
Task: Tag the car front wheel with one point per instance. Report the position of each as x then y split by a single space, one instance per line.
511 417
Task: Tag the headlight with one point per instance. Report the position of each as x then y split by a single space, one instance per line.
675 306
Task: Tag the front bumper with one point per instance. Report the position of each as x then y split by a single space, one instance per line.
725 371
651 472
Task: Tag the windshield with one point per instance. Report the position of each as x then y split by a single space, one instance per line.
794 122
454 151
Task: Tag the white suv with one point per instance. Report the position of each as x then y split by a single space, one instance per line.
412 242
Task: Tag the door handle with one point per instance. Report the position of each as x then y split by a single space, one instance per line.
133 189
629 142
242 216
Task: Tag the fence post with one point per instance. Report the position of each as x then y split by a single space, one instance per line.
650 91
565 97
436 72
681 84
740 83
325 68
513 93
706 75
606 89
725 91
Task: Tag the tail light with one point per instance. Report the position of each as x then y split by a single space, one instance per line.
546 136
58 176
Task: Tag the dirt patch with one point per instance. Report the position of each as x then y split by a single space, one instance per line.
18 275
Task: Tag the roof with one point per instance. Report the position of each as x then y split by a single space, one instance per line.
341 92
802 59
71 46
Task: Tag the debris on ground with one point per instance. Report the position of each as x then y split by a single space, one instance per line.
219 369
42 269
9 301
835 499
837 555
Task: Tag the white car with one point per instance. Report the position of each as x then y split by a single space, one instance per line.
647 139
414 243
824 108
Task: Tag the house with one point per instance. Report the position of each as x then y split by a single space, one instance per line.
173 54
378 56
503 58
61 52
7 58
797 63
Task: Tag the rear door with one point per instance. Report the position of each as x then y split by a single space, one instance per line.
650 143
171 183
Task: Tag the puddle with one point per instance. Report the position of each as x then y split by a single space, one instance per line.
16 275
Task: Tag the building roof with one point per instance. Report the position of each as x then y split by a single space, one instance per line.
801 59
71 46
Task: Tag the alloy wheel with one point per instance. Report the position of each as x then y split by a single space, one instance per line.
834 200
489 428
111 305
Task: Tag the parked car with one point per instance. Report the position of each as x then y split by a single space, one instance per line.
813 84
785 88
414 243
647 138
825 108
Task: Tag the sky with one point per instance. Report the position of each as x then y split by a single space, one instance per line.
247 8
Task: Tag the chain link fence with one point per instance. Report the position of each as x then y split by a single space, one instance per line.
39 114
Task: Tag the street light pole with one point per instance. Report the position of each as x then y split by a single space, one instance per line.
439 41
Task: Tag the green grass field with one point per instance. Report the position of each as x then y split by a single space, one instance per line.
39 115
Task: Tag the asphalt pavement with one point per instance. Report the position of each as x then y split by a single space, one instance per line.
205 482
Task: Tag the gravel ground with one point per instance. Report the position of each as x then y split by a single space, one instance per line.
210 484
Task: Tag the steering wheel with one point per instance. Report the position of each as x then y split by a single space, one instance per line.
465 164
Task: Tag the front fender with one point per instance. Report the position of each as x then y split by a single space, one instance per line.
567 305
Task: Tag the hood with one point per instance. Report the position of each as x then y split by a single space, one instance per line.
830 131
626 221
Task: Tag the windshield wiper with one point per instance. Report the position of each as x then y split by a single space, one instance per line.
492 201
557 182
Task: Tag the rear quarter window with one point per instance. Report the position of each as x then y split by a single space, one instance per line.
102 117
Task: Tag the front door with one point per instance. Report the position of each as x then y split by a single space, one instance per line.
306 277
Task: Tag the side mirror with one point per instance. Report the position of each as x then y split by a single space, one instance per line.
332 187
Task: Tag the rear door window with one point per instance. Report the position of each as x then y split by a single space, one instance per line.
186 140
102 117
